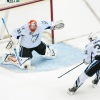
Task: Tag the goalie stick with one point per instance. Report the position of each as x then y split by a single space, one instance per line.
11 42
6 28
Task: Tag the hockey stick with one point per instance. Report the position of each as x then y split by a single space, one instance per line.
71 70
11 42
6 28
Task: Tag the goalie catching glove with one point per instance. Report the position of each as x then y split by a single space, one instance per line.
57 25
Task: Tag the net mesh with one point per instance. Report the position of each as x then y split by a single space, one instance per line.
16 17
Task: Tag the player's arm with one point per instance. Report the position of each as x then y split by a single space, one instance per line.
57 25
53 25
97 51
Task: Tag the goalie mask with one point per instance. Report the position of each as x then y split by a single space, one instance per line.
32 25
92 36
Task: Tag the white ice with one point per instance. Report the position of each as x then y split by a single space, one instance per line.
79 20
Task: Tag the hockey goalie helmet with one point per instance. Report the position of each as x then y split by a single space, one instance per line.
32 25
92 36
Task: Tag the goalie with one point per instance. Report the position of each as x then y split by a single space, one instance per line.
30 39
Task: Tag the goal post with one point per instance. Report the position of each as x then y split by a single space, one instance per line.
51 9
18 13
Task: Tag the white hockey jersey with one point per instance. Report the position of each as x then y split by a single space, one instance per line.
29 39
91 50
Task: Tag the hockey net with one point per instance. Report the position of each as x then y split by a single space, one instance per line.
18 13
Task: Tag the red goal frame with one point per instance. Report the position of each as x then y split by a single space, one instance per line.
30 2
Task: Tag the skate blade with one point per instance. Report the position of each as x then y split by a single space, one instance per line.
94 85
70 93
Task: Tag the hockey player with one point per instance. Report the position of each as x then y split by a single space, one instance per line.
30 39
92 52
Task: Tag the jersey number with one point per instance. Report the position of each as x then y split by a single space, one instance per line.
35 37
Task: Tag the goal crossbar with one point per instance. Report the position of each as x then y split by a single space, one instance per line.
21 4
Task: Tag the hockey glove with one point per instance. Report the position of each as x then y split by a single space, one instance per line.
97 57
12 44
86 61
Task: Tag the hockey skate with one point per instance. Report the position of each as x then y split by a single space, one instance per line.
72 90
95 82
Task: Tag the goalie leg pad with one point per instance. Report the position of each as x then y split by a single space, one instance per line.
50 52
26 63
10 59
